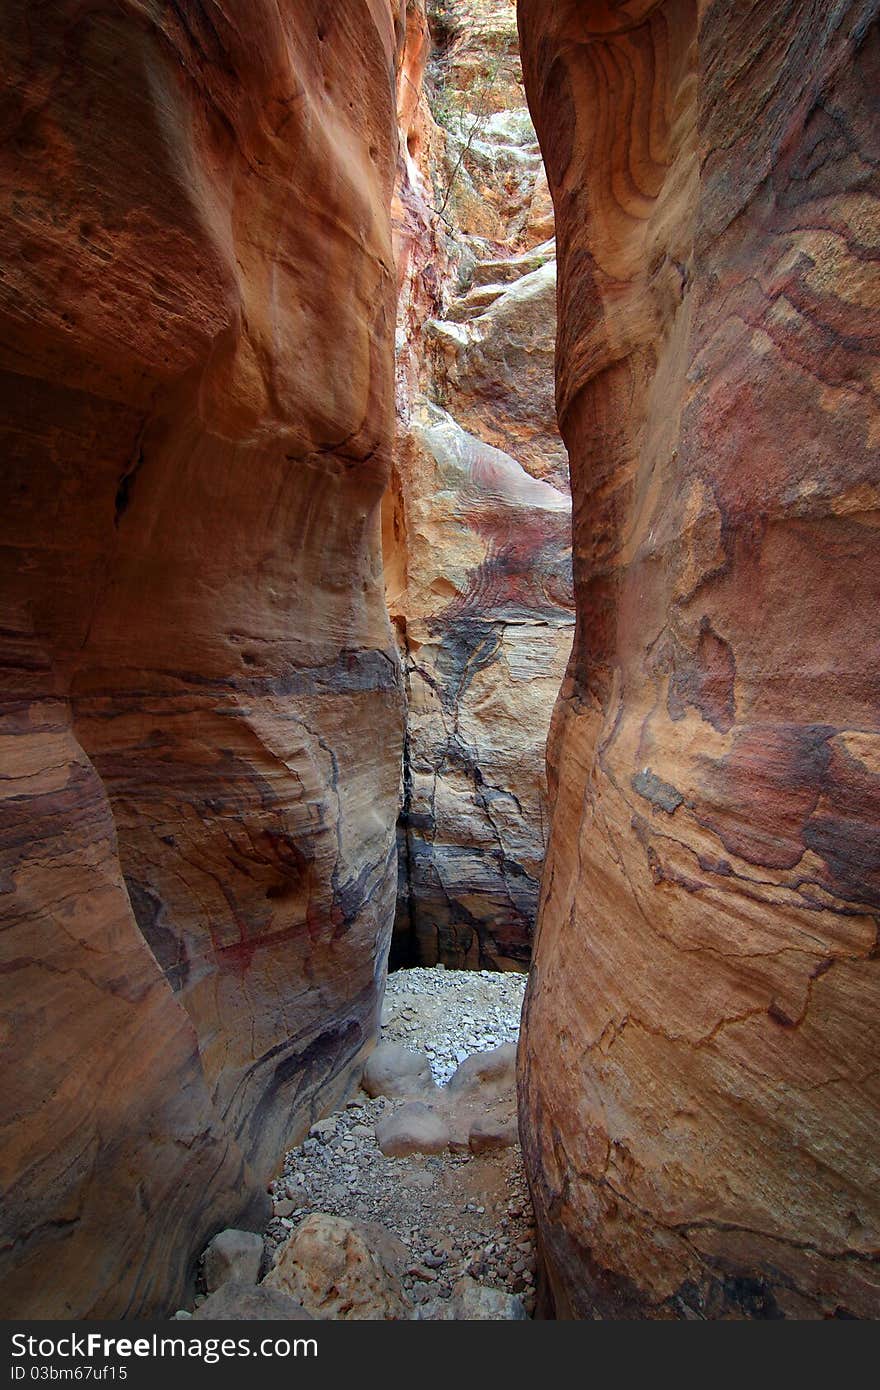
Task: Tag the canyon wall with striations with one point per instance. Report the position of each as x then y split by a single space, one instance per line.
699 1077
477 529
200 699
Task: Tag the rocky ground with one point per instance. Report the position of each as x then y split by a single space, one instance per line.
452 1013
459 1221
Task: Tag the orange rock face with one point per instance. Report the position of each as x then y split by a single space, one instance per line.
698 1071
201 701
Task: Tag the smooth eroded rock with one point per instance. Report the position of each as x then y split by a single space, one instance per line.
699 1095
393 1070
414 1129
489 1074
201 704
477 554
490 1133
485 620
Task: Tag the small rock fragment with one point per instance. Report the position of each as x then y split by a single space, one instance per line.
323 1130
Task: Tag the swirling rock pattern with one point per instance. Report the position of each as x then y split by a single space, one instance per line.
698 1072
201 700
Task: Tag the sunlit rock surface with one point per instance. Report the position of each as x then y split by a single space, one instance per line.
493 361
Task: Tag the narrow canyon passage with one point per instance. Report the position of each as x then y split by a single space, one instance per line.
477 520
423 1165
305 556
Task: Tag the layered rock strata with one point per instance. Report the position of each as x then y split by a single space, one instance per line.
201 701
478 519
698 1069
486 631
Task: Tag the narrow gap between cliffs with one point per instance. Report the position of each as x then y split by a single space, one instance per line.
477 521
477 556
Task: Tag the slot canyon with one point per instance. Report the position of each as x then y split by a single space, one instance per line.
440 532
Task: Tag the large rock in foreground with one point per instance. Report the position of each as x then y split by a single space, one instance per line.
699 1089
343 1270
201 703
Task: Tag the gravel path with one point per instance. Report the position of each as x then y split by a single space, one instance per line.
452 1013
456 1213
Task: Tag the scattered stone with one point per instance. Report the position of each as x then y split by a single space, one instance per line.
444 1000
238 1302
473 1302
492 1073
323 1130
453 1212
348 1270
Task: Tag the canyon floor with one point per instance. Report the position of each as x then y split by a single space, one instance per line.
459 1216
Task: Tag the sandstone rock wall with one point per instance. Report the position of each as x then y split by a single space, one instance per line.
698 1071
486 631
478 518
201 700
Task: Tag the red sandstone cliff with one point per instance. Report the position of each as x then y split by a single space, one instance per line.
698 1070
201 703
